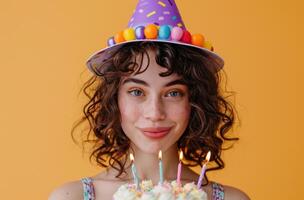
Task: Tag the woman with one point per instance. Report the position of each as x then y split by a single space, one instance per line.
154 96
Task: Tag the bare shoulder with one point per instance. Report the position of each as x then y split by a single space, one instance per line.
68 191
232 193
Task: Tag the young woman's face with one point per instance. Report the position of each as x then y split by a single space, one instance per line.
154 110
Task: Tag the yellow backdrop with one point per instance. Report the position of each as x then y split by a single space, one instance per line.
44 45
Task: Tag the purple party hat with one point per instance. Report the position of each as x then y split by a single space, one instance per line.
156 12
155 21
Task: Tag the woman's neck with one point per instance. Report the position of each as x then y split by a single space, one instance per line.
147 164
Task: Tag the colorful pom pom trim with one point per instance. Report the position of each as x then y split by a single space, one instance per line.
164 33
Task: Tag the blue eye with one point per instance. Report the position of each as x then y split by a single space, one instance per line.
135 92
175 94
138 93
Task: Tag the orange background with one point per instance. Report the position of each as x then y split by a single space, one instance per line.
44 45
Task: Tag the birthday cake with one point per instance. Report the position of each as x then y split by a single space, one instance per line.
164 191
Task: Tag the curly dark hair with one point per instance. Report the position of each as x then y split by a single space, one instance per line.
212 115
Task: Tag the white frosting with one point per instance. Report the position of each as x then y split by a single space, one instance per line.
148 196
166 191
181 196
124 192
189 186
197 195
162 188
166 196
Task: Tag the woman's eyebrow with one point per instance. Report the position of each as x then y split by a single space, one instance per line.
141 82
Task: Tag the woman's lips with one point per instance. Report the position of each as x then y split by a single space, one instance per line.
156 133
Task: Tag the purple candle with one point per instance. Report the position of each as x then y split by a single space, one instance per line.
201 177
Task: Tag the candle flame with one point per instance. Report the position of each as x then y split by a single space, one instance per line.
160 155
208 156
131 157
181 155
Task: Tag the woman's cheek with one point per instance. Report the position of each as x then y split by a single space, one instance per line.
179 110
129 109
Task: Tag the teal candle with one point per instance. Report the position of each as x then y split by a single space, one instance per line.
161 174
134 172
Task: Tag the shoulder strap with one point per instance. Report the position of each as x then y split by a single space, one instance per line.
217 191
88 188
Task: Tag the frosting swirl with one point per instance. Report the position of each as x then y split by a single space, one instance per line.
166 191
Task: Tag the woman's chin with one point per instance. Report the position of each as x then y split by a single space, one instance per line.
151 148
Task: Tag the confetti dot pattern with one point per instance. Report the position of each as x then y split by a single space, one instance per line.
153 11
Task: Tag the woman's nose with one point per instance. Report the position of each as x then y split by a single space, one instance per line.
154 110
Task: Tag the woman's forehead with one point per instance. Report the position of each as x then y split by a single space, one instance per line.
153 73
149 71
148 66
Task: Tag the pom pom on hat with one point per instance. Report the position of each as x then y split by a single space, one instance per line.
198 40
119 37
151 31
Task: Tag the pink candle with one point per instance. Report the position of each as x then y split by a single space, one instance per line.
201 177
179 168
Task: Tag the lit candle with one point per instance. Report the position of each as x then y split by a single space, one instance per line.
134 172
179 168
161 175
201 177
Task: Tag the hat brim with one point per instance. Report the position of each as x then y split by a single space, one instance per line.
97 58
